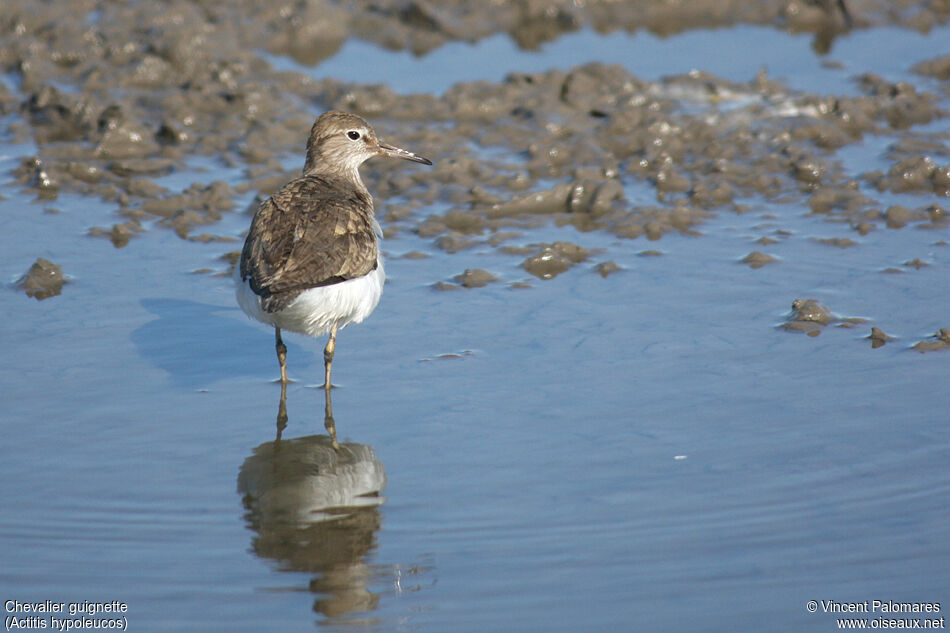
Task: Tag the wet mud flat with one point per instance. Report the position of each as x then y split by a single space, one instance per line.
129 94
694 308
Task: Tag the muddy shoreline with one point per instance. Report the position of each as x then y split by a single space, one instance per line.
130 93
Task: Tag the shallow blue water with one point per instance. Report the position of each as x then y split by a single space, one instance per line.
642 452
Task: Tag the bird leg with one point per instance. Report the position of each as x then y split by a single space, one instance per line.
328 357
281 356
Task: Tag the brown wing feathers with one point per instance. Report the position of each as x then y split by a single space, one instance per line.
315 231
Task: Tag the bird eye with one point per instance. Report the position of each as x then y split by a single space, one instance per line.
353 135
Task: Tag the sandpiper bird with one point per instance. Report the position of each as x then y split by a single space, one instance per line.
311 261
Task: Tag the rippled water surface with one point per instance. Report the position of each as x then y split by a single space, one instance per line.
646 451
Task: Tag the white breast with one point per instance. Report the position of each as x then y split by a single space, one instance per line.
316 310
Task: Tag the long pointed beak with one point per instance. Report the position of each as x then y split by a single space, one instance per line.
386 149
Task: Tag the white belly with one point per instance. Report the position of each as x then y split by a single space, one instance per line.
316 310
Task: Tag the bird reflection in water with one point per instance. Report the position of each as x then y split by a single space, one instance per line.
829 20
328 422
313 504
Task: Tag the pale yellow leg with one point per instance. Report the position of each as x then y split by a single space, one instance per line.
281 356
328 358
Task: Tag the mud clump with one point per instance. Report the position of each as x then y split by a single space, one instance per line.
587 198
878 337
449 356
43 280
938 68
605 269
553 259
937 215
940 341
454 242
914 174
837 242
898 216
196 206
811 316
120 234
36 176
757 259
808 311
474 278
